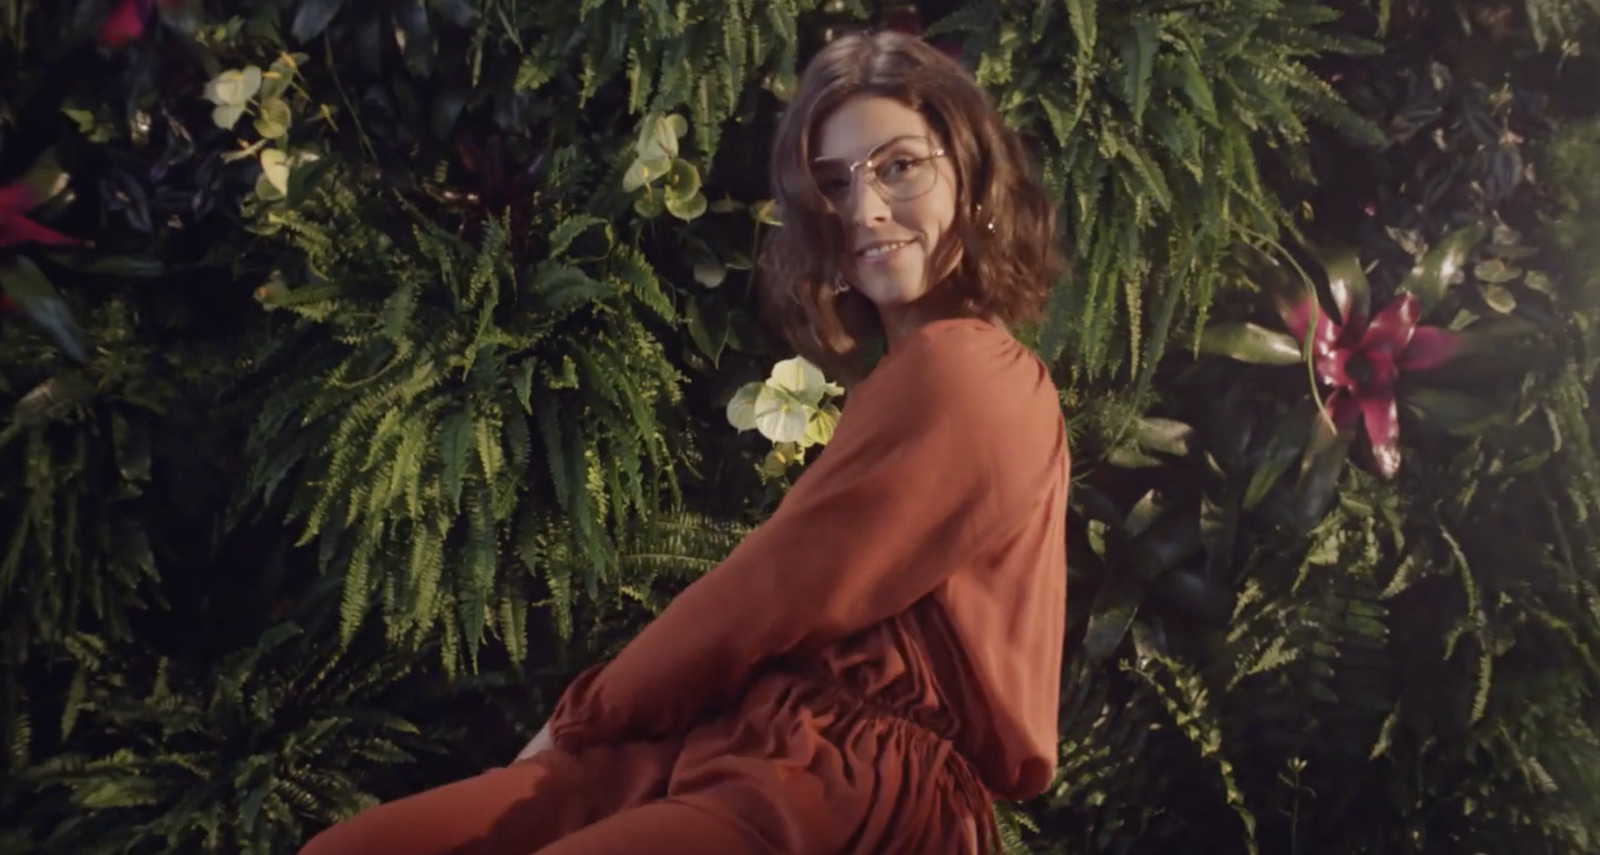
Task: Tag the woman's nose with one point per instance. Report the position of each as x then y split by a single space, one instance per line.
867 205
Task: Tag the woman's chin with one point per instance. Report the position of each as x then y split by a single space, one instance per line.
887 293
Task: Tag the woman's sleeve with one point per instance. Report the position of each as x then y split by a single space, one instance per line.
931 466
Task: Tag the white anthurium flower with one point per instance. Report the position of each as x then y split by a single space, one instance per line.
231 91
780 416
742 408
791 409
801 379
275 174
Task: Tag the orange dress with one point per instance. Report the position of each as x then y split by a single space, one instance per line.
863 674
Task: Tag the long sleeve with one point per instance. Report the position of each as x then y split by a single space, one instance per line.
935 459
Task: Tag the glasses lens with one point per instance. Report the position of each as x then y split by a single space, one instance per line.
904 169
900 169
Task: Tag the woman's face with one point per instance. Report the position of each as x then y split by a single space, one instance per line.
896 203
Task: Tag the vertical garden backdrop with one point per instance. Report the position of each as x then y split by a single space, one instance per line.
370 366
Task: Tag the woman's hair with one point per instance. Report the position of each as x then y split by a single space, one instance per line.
1004 272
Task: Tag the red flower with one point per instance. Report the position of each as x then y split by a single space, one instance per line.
1362 359
128 19
16 200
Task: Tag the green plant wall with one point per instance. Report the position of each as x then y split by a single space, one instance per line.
370 366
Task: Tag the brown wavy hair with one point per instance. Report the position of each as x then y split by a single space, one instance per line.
1002 273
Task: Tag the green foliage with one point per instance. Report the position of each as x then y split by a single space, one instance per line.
500 254
77 554
1153 123
287 736
460 400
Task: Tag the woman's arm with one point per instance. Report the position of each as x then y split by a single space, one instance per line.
931 466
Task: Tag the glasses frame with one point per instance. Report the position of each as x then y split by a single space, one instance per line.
871 159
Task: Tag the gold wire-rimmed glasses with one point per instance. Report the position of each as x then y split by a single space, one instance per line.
899 170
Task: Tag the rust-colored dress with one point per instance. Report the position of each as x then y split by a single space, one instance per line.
864 674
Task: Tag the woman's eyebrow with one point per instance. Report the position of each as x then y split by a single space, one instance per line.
818 161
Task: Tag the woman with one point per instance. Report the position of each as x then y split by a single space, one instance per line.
873 665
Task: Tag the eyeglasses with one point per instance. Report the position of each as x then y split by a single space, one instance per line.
899 170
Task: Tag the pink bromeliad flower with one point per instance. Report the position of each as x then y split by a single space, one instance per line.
128 19
16 200
1362 358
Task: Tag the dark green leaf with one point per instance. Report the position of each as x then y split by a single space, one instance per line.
1455 412
1319 474
448 102
1163 435
1440 266
26 284
1252 343
458 12
1285 446
314 17
1347 282
1115 606
1138 59
111 265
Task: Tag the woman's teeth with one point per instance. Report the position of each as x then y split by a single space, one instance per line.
881 249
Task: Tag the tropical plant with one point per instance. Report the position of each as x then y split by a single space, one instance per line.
1153 123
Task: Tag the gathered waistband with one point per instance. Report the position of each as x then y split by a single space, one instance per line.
966 788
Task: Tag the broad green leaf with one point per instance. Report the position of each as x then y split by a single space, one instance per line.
1347 282
1252 343
1166 436
820 429
1283 449
313 17
1441 265
1112 615
35 295
1321 466
710 335
1455 412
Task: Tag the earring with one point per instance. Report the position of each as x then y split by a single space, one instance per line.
840 286
977 211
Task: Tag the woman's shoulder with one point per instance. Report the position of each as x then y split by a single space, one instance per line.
966 352
965 367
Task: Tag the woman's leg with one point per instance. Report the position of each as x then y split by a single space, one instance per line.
511 811
667 827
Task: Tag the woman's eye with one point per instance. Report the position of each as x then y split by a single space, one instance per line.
834 186
898 167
